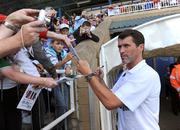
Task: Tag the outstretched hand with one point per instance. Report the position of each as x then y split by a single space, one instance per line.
29 32
83 67
22 16
65 38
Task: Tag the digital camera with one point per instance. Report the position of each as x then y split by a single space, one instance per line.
43 17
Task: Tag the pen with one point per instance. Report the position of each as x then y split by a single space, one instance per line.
102 66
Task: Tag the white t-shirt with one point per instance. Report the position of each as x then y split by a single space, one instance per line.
25 64
139 90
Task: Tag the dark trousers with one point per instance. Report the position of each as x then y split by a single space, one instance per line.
10 116
38 112
61 95
175 101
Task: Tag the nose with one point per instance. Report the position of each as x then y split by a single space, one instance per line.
122 50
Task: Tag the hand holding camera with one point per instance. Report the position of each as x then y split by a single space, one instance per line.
22 16
85 31
29 33
82 31
43 17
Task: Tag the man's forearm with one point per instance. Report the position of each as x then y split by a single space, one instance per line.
52 35
9 45
108 99
6 32
20 77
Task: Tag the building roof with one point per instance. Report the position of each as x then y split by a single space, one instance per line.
118 26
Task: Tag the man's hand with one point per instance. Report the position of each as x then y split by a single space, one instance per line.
48 82
68 41
83 67
99 73
65 38
88 32
22 16
30 32
60 37
69 57
82 31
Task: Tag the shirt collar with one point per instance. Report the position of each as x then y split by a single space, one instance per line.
137 67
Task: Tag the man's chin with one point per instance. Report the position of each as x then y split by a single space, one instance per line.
125 61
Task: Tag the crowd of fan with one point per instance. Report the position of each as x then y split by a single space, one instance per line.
29 48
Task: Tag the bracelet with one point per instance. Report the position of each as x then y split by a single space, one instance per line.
11 26
89 76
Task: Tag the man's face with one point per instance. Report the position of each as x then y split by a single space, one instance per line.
129 52
58 46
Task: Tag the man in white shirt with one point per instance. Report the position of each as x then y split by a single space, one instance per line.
136 93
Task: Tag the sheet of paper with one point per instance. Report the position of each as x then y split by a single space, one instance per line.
73 51
29 98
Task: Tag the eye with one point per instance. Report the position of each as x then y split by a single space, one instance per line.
126 46
119 46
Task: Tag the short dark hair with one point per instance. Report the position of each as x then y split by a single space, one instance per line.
137 36
86 23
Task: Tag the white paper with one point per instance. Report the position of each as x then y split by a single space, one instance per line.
65 79
29 98
73 51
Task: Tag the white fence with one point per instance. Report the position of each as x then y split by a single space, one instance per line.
66 114
145 6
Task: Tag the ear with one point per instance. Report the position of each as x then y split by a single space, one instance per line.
141 46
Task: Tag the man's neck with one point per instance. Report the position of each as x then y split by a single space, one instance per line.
131 65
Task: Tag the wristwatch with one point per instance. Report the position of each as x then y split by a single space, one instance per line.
11 26
89 76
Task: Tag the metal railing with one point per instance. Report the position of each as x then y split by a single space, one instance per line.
48 118
66 114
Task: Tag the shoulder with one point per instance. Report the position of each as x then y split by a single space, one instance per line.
177 66
150 72
145 73
76 31
50 51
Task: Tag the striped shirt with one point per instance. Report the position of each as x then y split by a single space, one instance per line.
53 56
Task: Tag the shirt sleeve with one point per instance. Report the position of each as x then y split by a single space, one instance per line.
22 59
4 63
52 56
94 37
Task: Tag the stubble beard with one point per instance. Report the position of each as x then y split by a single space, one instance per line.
126 60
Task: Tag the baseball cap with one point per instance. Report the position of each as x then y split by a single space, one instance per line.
63 25
2 17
